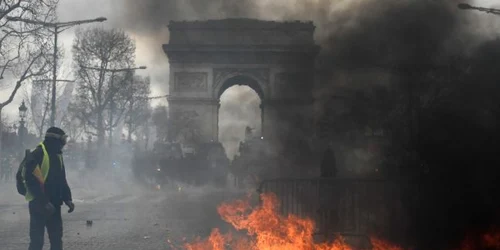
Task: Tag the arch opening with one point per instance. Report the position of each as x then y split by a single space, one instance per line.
240 109
241 80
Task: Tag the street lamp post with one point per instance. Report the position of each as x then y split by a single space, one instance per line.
22 129
112 104
58 27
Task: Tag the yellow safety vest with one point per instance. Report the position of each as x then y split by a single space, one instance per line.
40 172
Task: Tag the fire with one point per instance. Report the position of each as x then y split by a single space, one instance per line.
266 229
379 244
491 239
487 240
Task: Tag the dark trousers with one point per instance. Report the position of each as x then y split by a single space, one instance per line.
38 222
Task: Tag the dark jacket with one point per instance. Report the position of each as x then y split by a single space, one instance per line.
56 189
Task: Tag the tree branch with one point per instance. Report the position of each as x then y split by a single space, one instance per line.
10 8
26 74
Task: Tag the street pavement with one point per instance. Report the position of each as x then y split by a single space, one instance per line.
131 220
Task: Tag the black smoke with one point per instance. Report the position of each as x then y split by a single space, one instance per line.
430 44
405 32
153 15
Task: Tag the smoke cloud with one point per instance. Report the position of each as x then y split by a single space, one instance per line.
354 34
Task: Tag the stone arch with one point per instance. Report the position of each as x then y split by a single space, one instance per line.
275 59
239 79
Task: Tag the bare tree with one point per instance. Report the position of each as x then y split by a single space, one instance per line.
139 109
160 121
185 126
96 89
23 46
119 105
38 97
38 102
73 126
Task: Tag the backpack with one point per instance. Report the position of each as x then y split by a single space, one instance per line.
20 182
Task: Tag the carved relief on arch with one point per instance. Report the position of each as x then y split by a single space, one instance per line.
260 75
190 81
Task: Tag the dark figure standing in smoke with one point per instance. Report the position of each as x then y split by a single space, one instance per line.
47 189
329 163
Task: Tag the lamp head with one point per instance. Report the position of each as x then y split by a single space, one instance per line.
22 110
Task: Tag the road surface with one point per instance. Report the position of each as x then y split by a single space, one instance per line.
137 220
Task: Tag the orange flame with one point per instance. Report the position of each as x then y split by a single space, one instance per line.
266 229
379 244
488 240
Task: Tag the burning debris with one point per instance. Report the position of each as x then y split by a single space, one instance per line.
485 240
267 229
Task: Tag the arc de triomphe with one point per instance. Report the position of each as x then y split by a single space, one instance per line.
276 59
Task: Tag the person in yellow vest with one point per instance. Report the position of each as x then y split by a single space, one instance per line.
47 189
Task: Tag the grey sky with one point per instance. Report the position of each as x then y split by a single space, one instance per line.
146 20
